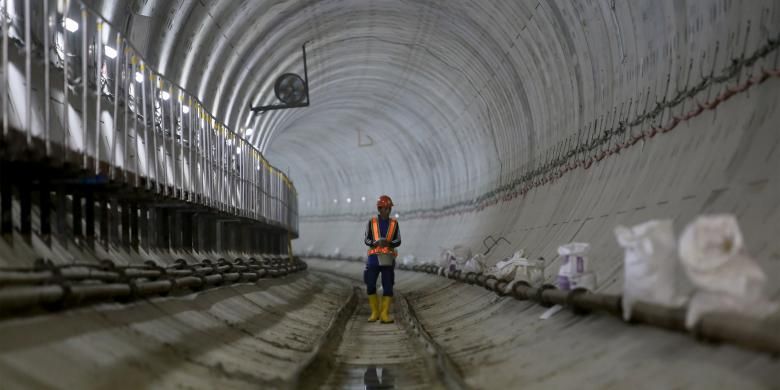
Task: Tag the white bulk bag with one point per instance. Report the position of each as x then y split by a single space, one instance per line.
713 255
475 264
650 264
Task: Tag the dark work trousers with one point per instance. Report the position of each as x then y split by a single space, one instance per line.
371 274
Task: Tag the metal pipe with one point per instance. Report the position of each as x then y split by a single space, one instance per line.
78 294
16 298
741 330
191 282
160 287
24 278
28 288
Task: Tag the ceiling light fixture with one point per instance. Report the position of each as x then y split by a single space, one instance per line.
71 25
110 51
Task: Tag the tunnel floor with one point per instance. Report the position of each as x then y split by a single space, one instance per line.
377 356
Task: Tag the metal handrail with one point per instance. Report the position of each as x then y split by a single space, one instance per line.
202 159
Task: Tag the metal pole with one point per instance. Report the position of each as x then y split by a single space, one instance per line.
244 179
194 160
174 131
146 128
66 103
84 87
224 171
117 76
99 94
204 156
130 82
191 187
5 88
220 168
206 160
180 111
173 144
153 92
163 140
211 168
28 70
46 78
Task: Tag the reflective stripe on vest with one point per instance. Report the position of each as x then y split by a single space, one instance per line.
375 233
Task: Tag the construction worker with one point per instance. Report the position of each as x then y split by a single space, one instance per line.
382 237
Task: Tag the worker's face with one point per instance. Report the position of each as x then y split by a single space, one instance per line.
384 212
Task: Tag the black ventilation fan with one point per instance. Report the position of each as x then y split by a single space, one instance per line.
290 89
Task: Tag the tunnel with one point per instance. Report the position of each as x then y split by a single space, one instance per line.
582 194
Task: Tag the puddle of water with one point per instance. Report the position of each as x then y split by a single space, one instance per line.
368 377
378 378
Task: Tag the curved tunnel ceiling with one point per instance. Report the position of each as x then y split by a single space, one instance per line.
456 100
440 87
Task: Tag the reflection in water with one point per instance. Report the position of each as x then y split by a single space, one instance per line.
384 380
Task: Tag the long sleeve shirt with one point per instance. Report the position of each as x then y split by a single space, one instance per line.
368 238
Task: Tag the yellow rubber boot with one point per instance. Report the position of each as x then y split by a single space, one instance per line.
373 301
384 316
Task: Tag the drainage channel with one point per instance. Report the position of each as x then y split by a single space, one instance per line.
372 355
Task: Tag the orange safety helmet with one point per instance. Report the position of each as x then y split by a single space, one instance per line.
384 201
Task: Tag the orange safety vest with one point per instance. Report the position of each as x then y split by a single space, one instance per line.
390 233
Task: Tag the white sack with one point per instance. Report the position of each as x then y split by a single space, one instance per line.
725 276
574 262
475 264
650 264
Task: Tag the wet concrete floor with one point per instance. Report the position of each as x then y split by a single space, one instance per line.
378 356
